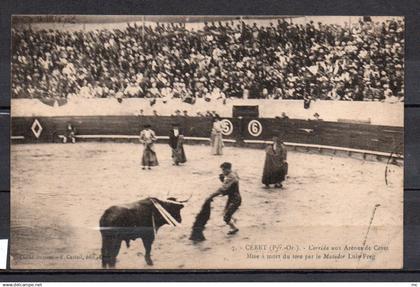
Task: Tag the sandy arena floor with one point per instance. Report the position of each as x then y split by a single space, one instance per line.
60 191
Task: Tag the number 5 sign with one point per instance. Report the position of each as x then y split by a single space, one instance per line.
227 127
255 128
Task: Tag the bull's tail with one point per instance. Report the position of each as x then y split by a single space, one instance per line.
110 249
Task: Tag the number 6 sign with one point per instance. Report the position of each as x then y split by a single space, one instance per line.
255 128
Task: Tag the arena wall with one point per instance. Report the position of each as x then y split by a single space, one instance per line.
307 133
363 127
376 113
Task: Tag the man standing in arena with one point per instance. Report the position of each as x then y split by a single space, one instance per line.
230 187
70 135
216 139
147 138
275 165
176 143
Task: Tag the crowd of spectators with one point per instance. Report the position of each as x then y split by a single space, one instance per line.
221 60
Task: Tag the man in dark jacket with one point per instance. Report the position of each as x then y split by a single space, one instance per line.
230 187
176 144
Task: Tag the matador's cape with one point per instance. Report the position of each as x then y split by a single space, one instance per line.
200 221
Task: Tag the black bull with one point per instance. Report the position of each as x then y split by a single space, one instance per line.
140 219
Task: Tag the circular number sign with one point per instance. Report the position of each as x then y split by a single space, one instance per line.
255 128
227 127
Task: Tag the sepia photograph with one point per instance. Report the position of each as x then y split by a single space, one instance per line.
204 142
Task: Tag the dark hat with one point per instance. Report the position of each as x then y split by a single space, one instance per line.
147 126
226 165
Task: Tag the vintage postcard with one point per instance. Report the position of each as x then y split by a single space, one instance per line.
207 142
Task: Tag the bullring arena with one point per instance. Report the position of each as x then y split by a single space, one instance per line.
61 190
340 205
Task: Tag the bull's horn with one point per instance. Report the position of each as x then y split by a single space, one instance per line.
186 200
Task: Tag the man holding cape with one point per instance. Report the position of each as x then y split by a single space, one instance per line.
147 138
176 142
275 165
